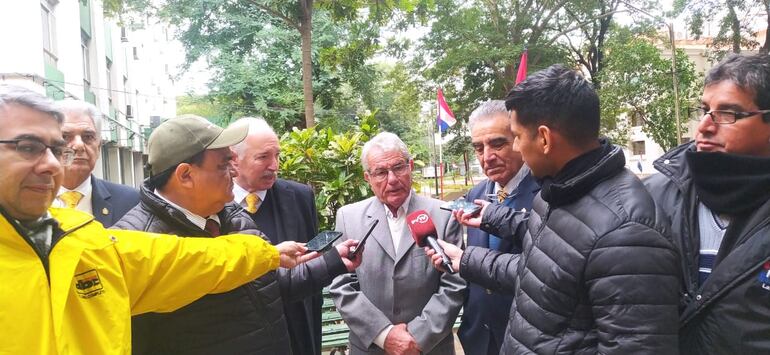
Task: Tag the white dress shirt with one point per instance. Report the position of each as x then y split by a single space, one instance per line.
195 219
85 204
513 183
239 195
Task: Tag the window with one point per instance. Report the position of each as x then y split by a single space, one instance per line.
49 31
109 81
637 120
638 147
84 41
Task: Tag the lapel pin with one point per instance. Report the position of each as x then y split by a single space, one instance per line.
105 211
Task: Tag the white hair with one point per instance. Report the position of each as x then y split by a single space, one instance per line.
256 125
82 107
486 111
387 142
18 95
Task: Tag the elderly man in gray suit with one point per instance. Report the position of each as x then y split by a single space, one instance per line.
396 302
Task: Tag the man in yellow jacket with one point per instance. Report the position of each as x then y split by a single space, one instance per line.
69 286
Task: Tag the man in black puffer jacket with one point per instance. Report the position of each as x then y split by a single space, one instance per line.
596 275
715 193
189 194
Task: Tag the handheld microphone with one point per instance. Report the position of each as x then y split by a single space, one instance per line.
424 233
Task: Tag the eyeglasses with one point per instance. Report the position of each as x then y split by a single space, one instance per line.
726 117
382 174
31 149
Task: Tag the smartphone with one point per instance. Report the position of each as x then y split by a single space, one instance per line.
461 203
323 241
354 252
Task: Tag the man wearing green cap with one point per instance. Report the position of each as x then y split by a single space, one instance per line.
190 193
69 285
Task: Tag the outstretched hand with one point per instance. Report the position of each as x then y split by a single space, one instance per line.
471 219
293 254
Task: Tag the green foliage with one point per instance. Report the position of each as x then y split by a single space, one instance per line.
473 48
330 163
201 106
637 81
734 19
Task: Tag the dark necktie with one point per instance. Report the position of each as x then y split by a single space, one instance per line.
212 227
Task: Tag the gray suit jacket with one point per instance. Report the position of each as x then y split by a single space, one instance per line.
392 287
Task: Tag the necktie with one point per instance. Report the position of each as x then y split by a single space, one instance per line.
251 203
501 195
212 227
71 198
494 241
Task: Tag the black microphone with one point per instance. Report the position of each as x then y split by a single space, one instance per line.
424 233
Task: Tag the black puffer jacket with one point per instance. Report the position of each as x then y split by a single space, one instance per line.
246 320
595 274
730 312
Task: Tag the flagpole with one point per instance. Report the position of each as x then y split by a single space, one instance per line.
441 162
433 139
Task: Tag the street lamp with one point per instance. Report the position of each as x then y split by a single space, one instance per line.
670 26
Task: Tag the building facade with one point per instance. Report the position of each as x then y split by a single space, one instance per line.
69 49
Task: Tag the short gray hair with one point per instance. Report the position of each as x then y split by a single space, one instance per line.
256 125
83 107
18 95
485 111
387 142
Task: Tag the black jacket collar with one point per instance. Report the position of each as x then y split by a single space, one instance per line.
176 219
673 165
582 174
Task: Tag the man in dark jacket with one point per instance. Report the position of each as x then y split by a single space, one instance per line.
595 275
189 193
283 210
509 182
80 189
715 193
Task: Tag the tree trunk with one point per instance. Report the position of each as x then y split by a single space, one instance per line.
467 170
305 30
765 49
735 26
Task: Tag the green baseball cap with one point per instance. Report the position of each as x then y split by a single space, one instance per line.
180 138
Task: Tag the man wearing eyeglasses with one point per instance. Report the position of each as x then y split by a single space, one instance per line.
69 286
715 192
396 302
106 201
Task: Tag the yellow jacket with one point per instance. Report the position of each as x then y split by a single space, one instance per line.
99 278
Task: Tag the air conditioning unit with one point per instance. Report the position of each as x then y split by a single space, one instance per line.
129 112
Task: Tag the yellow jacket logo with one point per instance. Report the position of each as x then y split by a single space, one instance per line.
88 284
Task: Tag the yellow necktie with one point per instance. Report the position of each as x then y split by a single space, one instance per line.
251 203
501 196
71 198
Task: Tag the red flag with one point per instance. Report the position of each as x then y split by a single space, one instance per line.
522 73
445 118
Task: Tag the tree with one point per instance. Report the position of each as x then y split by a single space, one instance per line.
734 18
592 20
637 81
473 48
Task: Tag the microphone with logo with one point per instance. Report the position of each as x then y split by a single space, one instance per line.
424 233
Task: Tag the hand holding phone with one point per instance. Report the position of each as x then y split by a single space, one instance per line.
461 204
354 252
323 241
